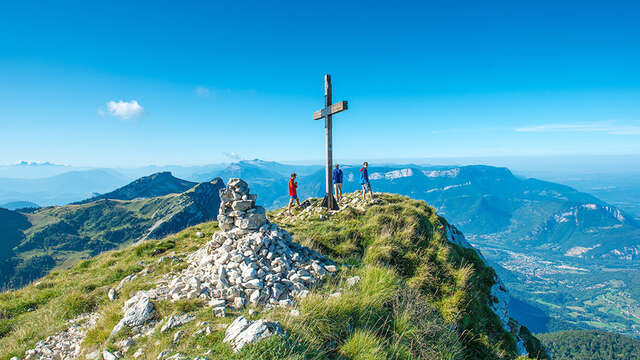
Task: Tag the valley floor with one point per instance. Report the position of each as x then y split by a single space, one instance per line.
560 293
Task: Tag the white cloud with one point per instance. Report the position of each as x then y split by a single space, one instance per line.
232 156
608 127
122 109
203 91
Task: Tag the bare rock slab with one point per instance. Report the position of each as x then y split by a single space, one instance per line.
243 332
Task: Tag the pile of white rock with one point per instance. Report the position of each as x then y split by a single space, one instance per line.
249 261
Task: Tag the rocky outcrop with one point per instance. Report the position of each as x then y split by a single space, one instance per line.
137 312
176 321
243 332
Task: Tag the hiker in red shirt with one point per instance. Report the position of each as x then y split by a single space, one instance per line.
293 191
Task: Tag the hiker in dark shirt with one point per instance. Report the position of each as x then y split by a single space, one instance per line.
364 181
337 182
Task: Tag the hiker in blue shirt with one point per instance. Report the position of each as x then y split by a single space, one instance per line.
364 181
337 182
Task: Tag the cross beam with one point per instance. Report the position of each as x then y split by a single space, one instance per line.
327 114
333 109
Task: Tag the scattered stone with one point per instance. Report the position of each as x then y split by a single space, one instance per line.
175 321
66 343
352 281
178 356
138 353
242 332
204 331
112 294
126 280
163 354
331 268
173 259
93 355
125 344
252 312
219 311
335 294
177 335
199 234
137 311
107 355
295 313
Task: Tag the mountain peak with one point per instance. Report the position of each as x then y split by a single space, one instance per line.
158 184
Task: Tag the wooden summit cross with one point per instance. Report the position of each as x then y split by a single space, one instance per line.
327 114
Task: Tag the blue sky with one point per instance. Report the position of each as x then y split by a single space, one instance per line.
217 81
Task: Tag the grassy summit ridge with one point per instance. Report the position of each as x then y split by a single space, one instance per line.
419 297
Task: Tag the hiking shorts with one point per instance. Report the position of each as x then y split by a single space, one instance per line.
366 187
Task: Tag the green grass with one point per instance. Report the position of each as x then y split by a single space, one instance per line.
419 297
33 313
408 237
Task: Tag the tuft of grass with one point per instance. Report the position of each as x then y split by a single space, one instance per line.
364 345
76 303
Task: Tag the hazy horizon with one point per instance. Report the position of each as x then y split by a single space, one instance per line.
545 165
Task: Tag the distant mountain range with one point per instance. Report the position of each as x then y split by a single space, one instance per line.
14 205
35 242
488 203
62 188
34 170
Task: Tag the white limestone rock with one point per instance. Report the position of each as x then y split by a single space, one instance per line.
138 310
352 281
112 294
243 332
107 355
175 321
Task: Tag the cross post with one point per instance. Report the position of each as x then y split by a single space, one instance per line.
327 114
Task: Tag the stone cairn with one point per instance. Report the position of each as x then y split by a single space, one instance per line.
248 262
